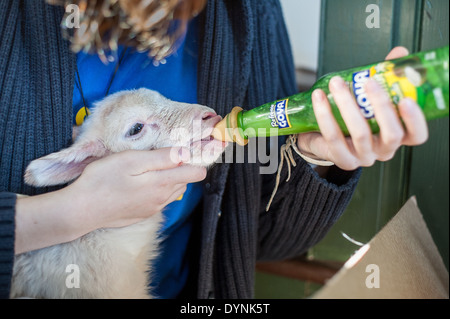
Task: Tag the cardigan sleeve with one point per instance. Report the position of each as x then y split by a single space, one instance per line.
303 209
7 229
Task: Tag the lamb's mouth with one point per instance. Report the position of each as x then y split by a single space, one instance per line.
206 138
207 142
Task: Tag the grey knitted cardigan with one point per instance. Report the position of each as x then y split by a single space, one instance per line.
244 59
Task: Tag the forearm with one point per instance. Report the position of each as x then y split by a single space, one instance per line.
46 220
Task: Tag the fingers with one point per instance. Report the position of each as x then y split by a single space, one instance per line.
161 169
391 129
393 134
177 193
359 129
415 123
363 148
182 175
139 162
167 185
397 52
333 146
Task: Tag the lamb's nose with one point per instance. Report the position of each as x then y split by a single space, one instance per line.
208 115
211 120
203 124
208 118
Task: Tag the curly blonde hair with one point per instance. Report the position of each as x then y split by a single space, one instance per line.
152 26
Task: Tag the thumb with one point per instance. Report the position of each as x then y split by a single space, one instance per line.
140 162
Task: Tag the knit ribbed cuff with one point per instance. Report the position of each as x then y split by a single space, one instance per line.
7 229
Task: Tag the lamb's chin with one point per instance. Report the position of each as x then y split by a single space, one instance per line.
206 152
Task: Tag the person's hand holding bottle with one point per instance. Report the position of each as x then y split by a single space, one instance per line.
363 148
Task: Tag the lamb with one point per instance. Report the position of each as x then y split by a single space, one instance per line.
114 262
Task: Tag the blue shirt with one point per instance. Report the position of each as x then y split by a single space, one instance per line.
177 80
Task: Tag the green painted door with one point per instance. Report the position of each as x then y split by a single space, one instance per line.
347 41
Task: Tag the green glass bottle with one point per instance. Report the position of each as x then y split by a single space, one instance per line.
422 77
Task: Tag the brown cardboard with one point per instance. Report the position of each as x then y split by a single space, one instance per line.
401 261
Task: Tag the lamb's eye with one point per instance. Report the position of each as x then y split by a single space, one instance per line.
136 129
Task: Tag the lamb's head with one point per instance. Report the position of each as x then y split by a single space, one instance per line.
140 120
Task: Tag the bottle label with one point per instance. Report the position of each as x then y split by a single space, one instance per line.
279 115
399 81
359 80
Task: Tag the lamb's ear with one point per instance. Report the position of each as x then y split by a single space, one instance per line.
64 166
